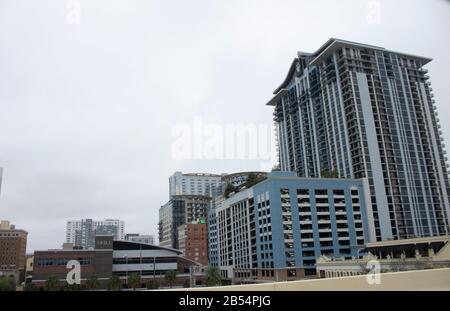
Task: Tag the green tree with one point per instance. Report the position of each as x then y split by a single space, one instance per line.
253 179
152 285
276 168
134 281
7 284
327 174
324 174
92 283
229 189
115 283
170 277
30 287
52 284
213 277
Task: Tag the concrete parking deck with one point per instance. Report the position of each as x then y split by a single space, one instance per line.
430 279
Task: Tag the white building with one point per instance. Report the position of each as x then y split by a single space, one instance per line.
140 238
82 232
193 183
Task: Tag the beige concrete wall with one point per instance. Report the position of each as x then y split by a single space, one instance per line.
431 279
444 253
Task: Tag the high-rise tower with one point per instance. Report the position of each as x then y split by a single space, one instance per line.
355 110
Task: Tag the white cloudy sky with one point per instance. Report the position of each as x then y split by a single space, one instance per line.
87 110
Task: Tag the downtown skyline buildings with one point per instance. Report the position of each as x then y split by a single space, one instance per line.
82 232
359 111
339 154
348 113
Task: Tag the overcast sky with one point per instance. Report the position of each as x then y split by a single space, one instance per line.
88 101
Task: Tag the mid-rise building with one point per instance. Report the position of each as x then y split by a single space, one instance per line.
13 246
354 110
213 246
193 183
82 232
193 241
180 209
140 238
230 183
110 257
277 229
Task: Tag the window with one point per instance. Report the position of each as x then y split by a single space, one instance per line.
321 192
303 192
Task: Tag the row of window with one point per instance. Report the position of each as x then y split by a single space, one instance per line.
137 260
63 262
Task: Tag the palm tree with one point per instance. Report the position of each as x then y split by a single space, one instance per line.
92 283
115 283
213 277
134 281
52 284
170 277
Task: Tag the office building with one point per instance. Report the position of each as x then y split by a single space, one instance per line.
354 110
110 257
140 238
13 245
180 209
82 232
278 228
193 241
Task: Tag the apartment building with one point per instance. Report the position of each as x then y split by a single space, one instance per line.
82 232
354 110
180 209
193 183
